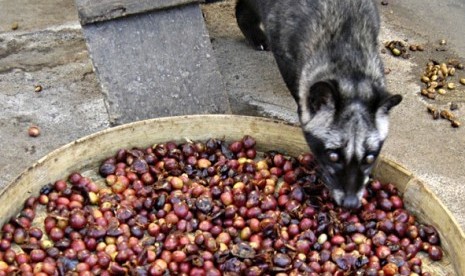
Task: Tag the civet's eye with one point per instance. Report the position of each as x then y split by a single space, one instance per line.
369 159
333 157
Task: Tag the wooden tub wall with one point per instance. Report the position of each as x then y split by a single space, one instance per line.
89 151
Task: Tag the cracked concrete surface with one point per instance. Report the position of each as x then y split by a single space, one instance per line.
48 49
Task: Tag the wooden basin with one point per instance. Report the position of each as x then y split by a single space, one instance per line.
86 153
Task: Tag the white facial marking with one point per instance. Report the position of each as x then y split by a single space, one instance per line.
356 132
360 194
382 124
320 125
338 196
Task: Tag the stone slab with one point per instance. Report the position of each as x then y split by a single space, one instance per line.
156 64
91 11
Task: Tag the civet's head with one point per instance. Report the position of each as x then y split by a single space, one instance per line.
345 125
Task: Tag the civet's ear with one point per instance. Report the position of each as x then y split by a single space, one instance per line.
389 103
322 96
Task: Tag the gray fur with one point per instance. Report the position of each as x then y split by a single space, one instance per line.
327 53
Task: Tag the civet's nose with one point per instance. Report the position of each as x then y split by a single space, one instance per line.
351 202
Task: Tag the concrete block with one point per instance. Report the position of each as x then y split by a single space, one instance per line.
156 64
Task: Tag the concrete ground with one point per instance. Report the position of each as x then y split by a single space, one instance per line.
41 43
